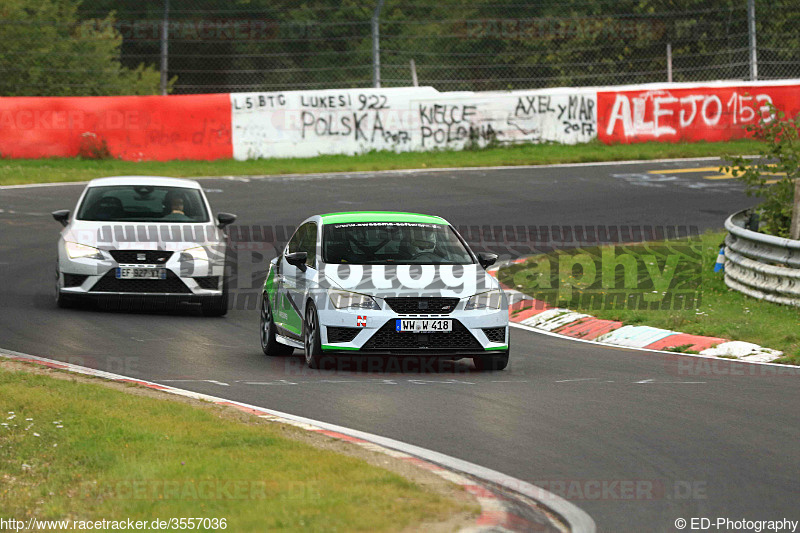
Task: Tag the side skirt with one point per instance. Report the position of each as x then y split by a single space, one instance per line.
289 342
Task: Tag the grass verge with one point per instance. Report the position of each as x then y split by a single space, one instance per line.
84 451
668 284
20 171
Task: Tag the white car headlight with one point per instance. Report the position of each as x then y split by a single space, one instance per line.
485 300
198 253
352 300
76 250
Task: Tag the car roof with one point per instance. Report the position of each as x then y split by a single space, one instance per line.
380 216
145 180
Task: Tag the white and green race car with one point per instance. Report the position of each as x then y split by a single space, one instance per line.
384 284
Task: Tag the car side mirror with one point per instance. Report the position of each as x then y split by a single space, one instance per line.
486 260
62 216
225 219
297 259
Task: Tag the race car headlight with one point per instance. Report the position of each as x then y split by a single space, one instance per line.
352 300
485 300
76 250
198 253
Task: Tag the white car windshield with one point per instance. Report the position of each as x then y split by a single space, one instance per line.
143 203
378 243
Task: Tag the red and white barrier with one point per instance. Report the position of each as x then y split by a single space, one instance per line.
134 128
690 112
352 121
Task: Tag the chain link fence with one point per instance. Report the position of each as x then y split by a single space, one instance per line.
455 44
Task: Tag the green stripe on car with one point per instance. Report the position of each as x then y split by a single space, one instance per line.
380 216
329 347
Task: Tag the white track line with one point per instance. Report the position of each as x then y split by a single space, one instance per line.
330 175
577 519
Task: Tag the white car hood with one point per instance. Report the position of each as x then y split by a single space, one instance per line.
167 236
409 280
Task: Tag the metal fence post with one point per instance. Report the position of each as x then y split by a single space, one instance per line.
669 62
376 46
164 45
751 30
414 80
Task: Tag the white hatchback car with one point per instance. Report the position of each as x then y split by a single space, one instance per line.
146 238
386 284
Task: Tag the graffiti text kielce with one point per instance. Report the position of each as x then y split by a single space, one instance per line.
447 123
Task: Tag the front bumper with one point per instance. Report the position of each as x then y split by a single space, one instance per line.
95 278
373 332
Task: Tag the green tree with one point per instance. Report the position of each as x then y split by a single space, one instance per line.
459 44
773 177
48 51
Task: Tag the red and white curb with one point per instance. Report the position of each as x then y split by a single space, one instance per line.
507 504
536 314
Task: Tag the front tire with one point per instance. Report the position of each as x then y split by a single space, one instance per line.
62 300
269 344
491 362
217 305
311 337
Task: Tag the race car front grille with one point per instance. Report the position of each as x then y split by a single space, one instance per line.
388 338
171 285
74 280
338 334
424 306
208 282
145 257
495 334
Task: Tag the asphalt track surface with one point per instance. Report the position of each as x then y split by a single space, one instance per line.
635 439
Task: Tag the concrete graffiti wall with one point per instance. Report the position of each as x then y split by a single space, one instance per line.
351 121
308 123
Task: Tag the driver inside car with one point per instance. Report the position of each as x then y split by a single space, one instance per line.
174 207
423 242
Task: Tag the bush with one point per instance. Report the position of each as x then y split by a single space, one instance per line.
93 147
772 176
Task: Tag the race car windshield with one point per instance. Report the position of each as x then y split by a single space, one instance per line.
143 203
402 243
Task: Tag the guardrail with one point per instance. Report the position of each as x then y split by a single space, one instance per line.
760 265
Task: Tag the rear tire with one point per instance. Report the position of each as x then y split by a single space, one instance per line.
492 362
311 338
269 344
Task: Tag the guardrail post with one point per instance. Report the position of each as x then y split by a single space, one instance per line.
795 229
